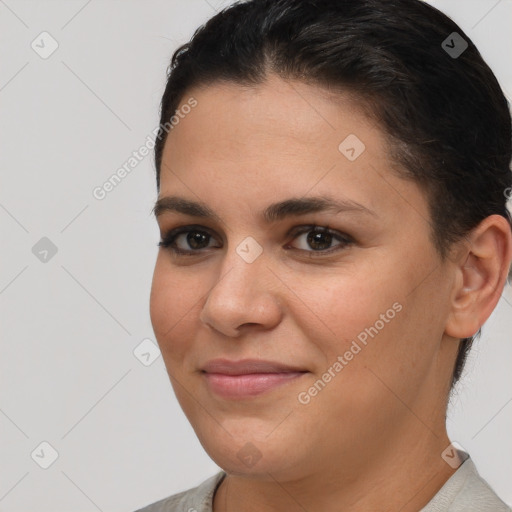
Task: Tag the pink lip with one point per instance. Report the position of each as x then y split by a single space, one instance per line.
245 366
240 386
246 378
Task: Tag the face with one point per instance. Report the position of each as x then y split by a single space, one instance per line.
354 298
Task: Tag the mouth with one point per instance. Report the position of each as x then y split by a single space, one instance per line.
247 378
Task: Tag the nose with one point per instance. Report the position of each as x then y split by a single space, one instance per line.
242 294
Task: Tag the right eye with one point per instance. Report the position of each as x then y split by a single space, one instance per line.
186 240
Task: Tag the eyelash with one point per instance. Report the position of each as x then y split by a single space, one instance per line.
169 239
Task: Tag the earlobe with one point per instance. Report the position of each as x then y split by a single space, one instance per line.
482 271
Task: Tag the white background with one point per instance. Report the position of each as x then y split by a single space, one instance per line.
68 327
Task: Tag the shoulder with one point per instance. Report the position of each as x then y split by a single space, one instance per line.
466 491
197 499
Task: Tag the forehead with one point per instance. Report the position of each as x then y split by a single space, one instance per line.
279 112
275 140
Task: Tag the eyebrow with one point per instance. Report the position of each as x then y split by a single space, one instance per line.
274 212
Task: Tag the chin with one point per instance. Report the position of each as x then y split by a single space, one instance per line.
245 455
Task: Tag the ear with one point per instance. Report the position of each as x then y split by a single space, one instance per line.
482 266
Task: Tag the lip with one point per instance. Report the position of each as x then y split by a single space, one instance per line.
248 377
245 366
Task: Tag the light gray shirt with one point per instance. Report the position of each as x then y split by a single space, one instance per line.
464 491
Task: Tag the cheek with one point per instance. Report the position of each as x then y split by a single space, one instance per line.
345 304
367 335
372 320
172 300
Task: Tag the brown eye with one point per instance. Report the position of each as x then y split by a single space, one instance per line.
186 240
320 239
197 239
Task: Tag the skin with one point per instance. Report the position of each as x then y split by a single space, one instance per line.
372 438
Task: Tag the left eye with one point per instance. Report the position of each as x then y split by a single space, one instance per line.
319 238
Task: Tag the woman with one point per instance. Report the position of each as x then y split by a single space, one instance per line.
332 180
